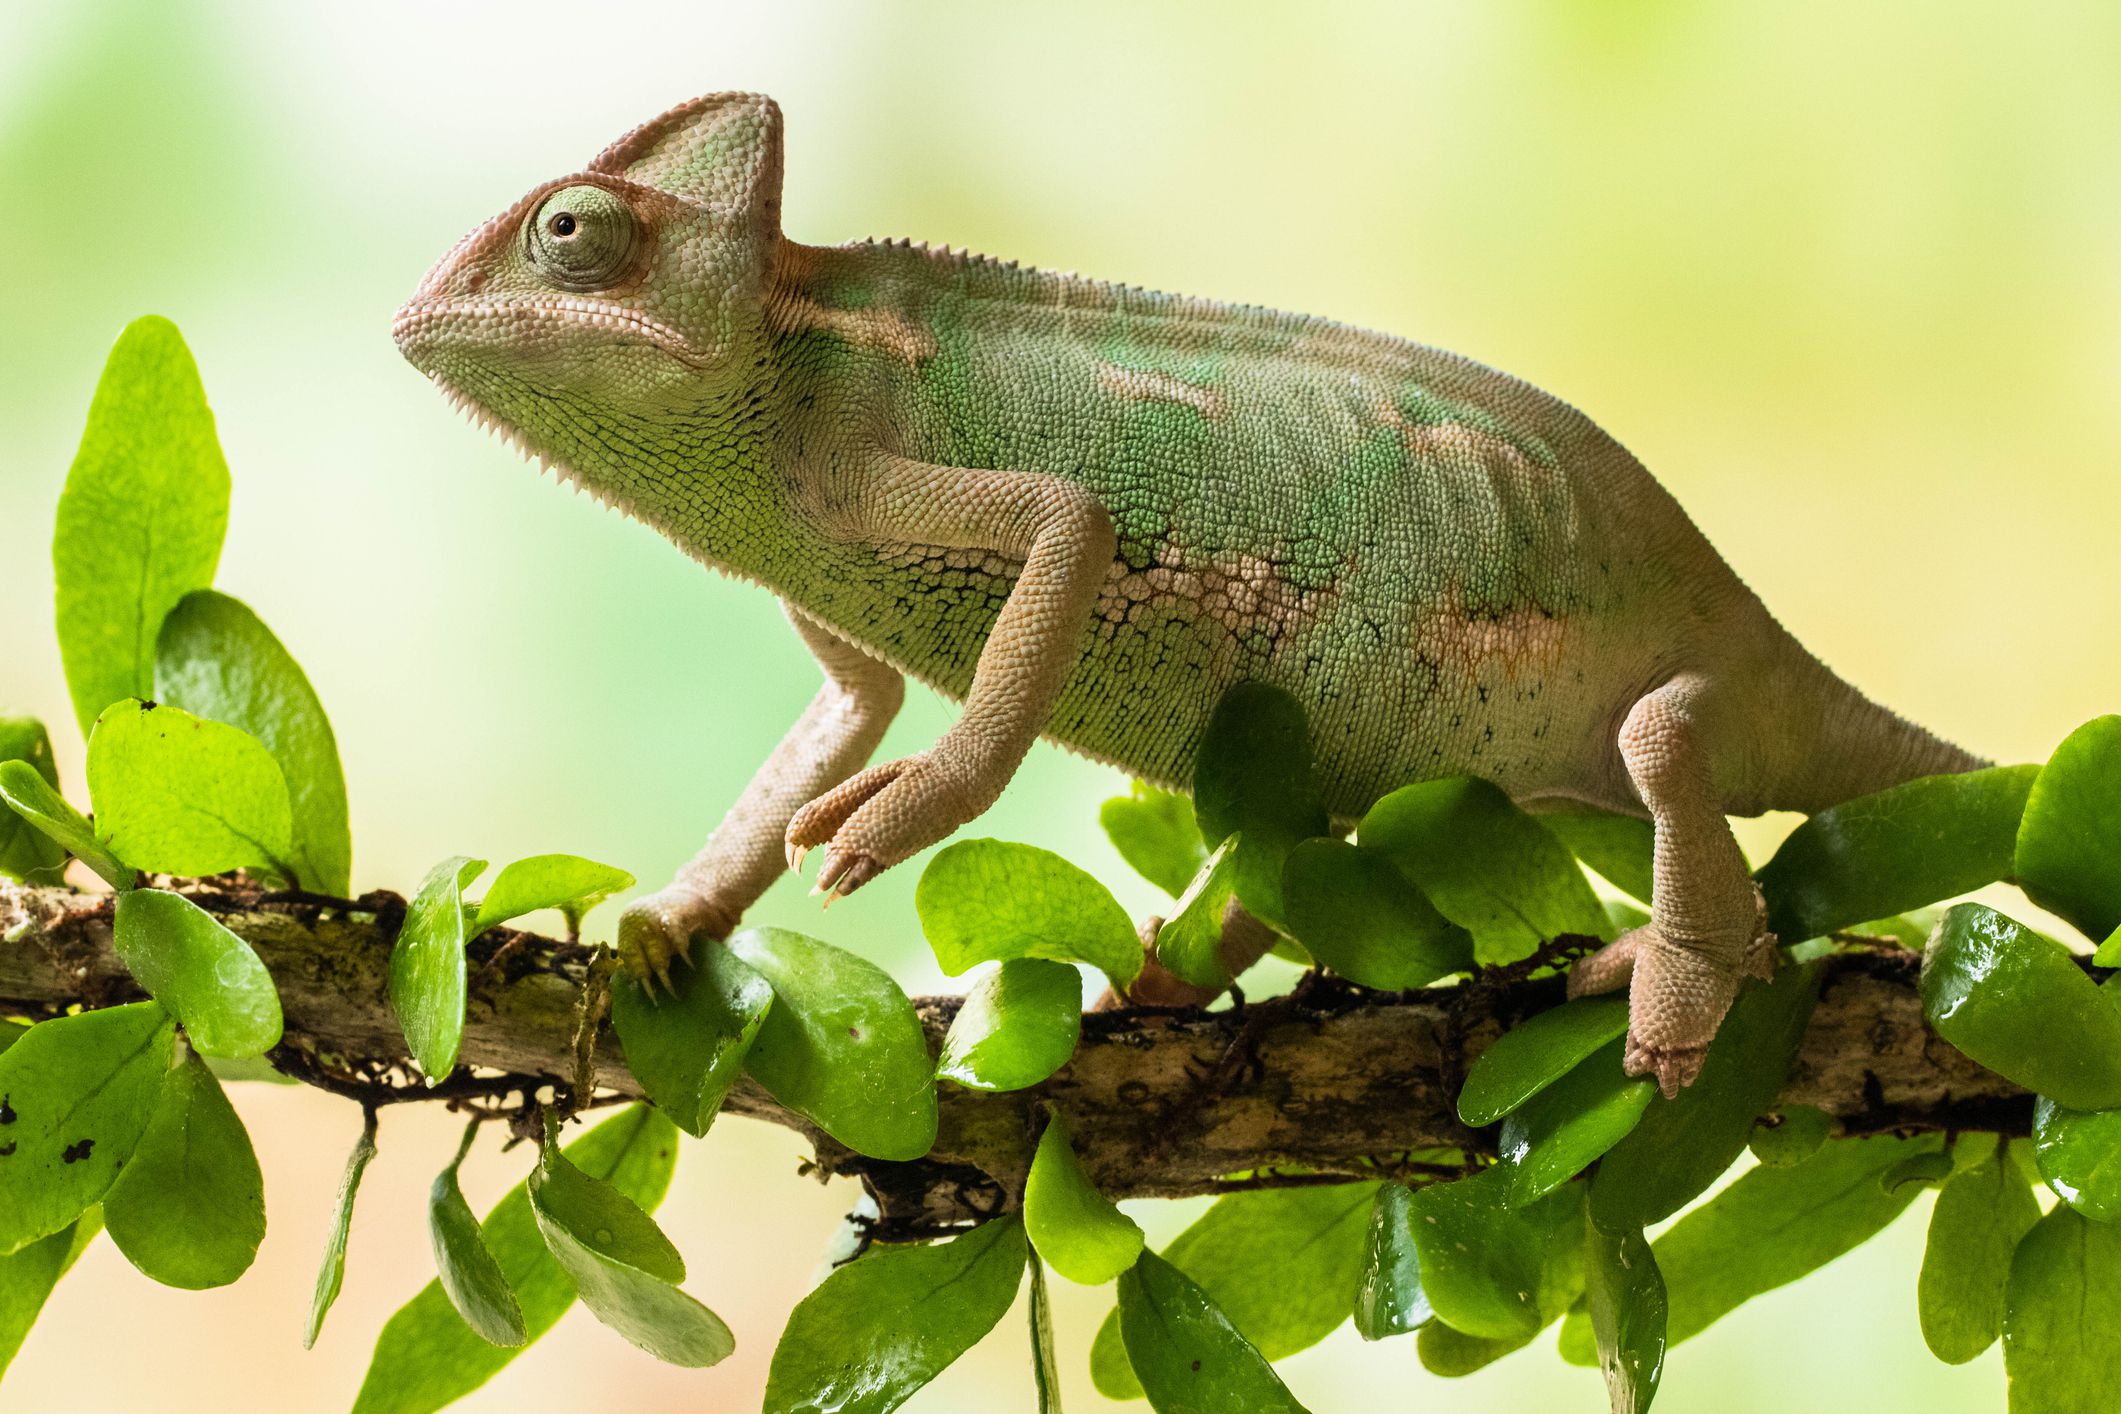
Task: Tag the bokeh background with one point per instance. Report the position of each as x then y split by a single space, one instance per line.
1844 276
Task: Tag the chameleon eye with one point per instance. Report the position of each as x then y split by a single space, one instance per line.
584 238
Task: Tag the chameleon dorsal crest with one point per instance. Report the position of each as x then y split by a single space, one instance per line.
722 151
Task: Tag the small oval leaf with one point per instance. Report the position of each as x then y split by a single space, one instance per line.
990 901
204 974
176 794
2069 843
688 1048
35 800
564 881
1155 832
1016 1026
1535 1053
470 1276
189 1209
1186 1353
1567 1125
1389 1301
427 973
1075 1228
1361 917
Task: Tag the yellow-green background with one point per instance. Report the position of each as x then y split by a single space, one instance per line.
1844 275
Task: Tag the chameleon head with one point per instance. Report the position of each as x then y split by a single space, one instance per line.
615 315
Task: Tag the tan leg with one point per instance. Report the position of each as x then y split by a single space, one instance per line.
1245 940
835 735
1707 928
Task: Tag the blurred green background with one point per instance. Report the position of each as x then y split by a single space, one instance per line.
1844 276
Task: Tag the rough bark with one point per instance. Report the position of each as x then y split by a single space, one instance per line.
1331 1081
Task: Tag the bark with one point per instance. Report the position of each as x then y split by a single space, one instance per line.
1332 1081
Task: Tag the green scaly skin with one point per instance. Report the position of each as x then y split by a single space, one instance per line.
1086 510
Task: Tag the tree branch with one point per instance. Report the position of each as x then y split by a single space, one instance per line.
1332 1081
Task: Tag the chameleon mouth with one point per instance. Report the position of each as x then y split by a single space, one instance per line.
421 320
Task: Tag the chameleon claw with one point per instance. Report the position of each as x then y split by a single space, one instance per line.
795 853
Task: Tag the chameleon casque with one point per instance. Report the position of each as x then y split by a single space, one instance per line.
1086 510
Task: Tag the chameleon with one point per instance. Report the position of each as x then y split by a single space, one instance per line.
1085 510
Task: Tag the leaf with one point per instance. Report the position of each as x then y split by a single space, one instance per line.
1189 1357
1389 1300
990 901
884 1325
27 854
2079 1154
1621 848
1017 1025
1075 1228
217 659
427 1357
2059 1350
1278 1262
1481 1258
141 519
841 1045
205 975
175 794
689 1048
1624 1299
470 1277
1535 1053
1682 1146
189 1209
1359 916
33 799
28 1275
1903 847
564 881
1045 1364
331 1273
427 976
1485 864
1252 777
1155 832
1190 942
624 1269
1981 1215
1452 1353
76 1094
1790 1135
2020 1004
2069 844
1570 1123
1559 1282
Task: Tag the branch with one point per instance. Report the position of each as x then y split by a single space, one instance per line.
1330 1082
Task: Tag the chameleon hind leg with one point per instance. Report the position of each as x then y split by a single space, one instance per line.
1707 930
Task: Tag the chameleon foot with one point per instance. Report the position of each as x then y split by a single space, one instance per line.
657 930
876 818
1677 998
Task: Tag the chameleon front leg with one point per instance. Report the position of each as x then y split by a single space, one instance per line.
1708 928
836 734
1065 542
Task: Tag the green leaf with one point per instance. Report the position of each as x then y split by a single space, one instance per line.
217 659
1903 847
205 975
2020 1004
564 881
2069 844
32 798
189 1209
1278 1262
2059 1350
990 901
1452 1353
689 1048
1624 1300
884 1325
76 1094
141 519
1075 1228
28 1275
1017 1025
1359 916
1252 777
1190 942
1447 1351
470 1277
1682 1146
331 1273
1389 1300
1485 864
175 794
1045 1362
1790 1135
1568 1124
841 1045
427 971
1188 1355
1535 1053
1481 1258
624 1269
1155 832
427 1357
1981 1215
2079 1154
1622 848
27 854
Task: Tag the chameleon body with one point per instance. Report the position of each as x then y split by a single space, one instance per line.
1086 510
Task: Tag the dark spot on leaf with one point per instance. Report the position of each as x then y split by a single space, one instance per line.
854 1033
7 1110
7 1149
146 706
77 1151
1196 1364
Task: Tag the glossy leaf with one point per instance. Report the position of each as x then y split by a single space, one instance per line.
2020 1004
427 971
76 1094
205 975
1622 848
1444 1350
470 1276
2069 845
841 1045
564 881
1485 864
1790 1135
689 1048
2059 1349
1017 1025
1452 1353
1252 777
1624 1302
1389 1300
27 854
189 1208
427 1357
1980 1217
31 799
1155 832
1567 1125
176 794
1045 1359
217 659
141 519
1903 847
1075 1228
28 1275
990 901
1536 1052
1187 1354
331 1272
878 1329
1481 1258
1359 916
2079 1154
1190 942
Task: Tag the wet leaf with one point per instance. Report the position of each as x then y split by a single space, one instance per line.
31 799
2079 1154
564 881
990 901
1481 1258
1190 943
205 975
1562 1129
1017 1025
1188 1356
331 1272
27 854
1535 1053
2069 844
1075 1228
1624 1302
2059 1349
427 972
470 1276
1359 916
1389 1301
1252 777
189 1209
1155 832
175 794
1444 1350
1981 1215
689 1048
